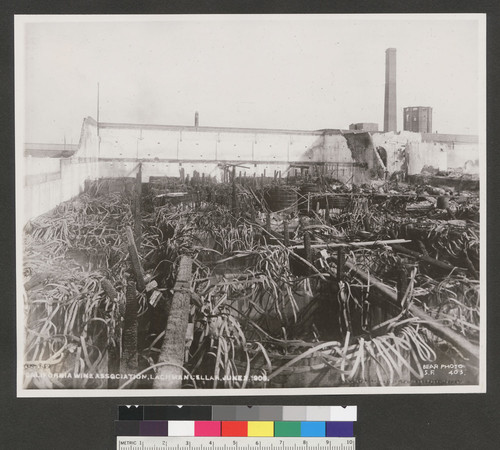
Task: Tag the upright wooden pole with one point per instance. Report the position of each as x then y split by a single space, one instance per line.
171 359
234 199
137 214
340 263
286 233
129 361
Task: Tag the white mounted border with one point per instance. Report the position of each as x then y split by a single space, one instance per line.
65 183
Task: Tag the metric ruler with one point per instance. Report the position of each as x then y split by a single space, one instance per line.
236 443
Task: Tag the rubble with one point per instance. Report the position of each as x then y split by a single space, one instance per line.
362 284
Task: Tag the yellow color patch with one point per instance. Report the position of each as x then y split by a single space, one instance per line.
260 429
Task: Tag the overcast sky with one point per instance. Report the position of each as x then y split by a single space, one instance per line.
288 72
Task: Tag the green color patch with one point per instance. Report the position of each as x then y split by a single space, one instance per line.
287 429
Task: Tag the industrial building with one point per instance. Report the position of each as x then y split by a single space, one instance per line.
417 119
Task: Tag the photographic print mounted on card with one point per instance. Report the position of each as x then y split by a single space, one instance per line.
250 204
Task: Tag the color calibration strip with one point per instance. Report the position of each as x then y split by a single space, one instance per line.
236 421
233 428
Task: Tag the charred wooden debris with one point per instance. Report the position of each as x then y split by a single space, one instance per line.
254 283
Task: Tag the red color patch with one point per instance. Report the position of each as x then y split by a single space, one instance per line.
235 428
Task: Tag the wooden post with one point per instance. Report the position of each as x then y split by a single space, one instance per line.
198 198
470 266
129 362
366 223
422 248
402 283
327 210
307 246
114 345
137 212
340 263
134 258
285 233
234 199
172 352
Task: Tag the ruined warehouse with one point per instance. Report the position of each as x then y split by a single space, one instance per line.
193 257
186 257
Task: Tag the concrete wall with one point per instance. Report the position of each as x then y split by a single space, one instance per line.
443 152
41 194
35 166
426 154
88 146
396 147
203 143
463 150
49 150
114 150
465 156
50 181
163 150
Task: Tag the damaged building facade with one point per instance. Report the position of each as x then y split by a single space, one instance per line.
108 150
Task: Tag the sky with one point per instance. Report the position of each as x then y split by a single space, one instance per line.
304 72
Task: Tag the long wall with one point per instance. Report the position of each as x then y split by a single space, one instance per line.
165 150
114 150
463 151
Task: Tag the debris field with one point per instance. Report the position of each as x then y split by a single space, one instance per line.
252 283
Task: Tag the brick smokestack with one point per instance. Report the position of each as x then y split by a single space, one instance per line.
390 107
196 119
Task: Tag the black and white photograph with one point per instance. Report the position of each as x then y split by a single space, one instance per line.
250 204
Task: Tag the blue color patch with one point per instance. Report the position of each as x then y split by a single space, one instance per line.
312 429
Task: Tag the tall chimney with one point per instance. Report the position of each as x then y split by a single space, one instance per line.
390 107
196 119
